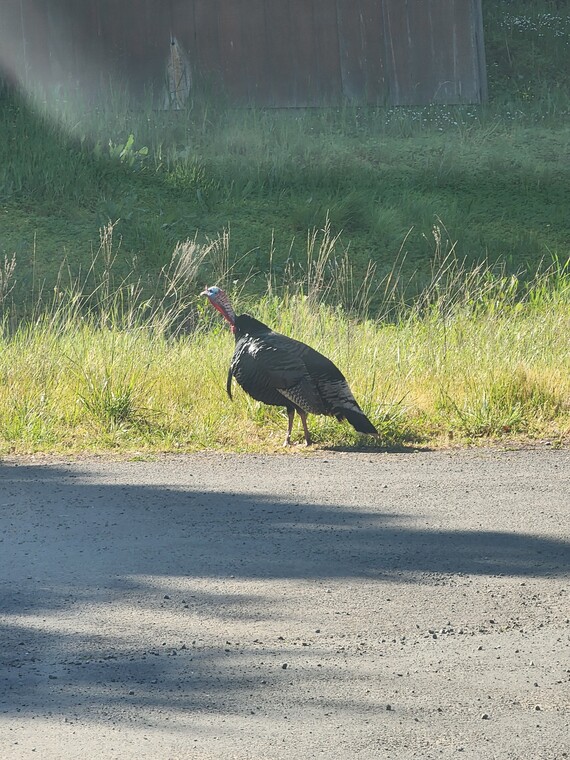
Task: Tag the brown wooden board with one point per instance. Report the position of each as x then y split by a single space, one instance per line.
280 54
481 92
362 50
433 54
37 42
352 53
396 35
233 54
256 69
303 52
268 52
208 68
12 58
327 51
94 65
374 51
419 60
183 26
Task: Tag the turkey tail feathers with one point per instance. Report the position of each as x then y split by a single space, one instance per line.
358 420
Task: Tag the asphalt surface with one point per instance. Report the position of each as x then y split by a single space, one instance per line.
330 605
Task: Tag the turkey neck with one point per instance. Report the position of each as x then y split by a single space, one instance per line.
247 325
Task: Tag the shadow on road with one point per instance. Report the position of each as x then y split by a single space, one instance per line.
69 544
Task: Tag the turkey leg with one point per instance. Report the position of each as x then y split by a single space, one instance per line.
291 417
303 416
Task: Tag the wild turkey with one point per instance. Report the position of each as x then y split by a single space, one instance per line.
281 371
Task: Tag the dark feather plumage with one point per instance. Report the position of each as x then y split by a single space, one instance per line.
281 371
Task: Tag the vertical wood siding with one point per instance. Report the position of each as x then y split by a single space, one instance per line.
284 53
434 51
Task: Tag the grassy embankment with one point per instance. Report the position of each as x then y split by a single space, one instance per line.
423 288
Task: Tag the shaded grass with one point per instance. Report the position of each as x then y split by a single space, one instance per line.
502 195
497 175
527 42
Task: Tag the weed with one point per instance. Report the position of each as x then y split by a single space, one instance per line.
7 283
126 153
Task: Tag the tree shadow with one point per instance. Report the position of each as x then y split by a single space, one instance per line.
174 557
134 530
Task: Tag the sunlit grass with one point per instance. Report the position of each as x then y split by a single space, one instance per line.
477 355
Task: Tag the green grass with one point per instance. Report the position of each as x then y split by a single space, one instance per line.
497 175
423 249
501 190
477 354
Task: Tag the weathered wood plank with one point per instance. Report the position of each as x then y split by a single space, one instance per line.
280 58
268 52
328 53
352 53
256 52
206 14
433 53
233 55
374 51
303 52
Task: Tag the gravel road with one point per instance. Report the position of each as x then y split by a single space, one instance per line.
329 605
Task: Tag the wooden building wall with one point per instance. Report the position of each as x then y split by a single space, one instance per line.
285 53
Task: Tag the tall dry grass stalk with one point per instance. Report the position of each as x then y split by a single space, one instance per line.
7 280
